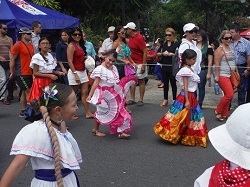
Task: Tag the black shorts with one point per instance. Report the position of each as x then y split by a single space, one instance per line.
24 82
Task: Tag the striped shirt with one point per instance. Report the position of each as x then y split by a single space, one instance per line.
5 44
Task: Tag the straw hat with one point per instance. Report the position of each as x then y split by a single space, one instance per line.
232 140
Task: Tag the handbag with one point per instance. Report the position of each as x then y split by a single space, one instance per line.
128 69
234 75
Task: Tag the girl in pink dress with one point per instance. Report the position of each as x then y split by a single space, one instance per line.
108 93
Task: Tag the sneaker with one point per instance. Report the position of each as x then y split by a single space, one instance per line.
21 115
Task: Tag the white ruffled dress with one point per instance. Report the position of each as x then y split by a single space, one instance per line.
110 98
34 140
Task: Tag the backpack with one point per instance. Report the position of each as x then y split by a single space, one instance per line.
176 64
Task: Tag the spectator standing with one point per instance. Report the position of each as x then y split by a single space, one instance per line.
241 47
61 55
21 54
90 50
231 140
190 30
158 67
6 44
167 51
36 31
206 63
107 43
77 75
138 49
150 59
224 56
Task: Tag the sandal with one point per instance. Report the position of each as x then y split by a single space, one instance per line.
98 133
123 136
130 102
164 103
6 102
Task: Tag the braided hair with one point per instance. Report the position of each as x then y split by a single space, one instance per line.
63 93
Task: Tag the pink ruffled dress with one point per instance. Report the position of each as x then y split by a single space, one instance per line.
110 97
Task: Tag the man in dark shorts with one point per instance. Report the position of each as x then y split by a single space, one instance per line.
21 54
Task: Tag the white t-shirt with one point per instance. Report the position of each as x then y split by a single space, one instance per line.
185 44
106 45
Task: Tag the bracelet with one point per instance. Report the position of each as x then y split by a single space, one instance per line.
75 72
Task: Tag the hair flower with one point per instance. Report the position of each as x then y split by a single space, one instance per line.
49 94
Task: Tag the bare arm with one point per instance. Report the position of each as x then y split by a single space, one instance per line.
217 59
15 168
185 82
93 87
144 60
12 65
210 62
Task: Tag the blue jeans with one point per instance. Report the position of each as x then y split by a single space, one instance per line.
201 86
241 87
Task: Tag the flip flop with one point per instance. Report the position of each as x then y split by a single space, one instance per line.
130 102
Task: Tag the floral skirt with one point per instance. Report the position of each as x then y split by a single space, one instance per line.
180 124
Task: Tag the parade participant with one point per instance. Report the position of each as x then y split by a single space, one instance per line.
43 65
231 140
191 129
77 75
52 150
109 97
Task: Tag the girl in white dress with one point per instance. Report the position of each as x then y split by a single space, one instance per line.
52 150
108 93
191 129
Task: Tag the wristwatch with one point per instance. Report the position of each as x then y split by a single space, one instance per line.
75 72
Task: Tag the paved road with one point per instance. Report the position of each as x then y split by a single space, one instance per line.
143 161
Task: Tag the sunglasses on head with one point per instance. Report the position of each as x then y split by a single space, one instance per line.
227 38
76 34
192 31
168 34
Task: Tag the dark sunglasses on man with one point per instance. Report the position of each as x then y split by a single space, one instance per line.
193 31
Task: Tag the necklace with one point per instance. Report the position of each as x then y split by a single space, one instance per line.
56 124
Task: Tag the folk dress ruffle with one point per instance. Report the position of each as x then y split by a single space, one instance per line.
110 97
190 131
34 140
40 83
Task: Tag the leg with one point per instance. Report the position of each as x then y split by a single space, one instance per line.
241 87
173 85
201 86
84 93
165 80
132 92
225 85
141 89
96 131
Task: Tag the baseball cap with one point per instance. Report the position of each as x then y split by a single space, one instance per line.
148 45
189 27
111 29
130 25
24 30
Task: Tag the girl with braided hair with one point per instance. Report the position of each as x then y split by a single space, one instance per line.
52 150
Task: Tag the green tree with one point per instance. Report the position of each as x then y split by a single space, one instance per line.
52 4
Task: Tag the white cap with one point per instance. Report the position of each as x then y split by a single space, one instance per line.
189 27
148 45
130 25
111 29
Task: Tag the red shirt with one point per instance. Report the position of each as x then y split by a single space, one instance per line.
136 45
78 58
150 52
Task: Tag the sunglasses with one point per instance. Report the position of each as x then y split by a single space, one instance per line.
192 31
227 38
121 32
28 33
76 34
111 60
168 34
5 29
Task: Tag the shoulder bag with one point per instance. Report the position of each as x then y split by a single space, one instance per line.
235 77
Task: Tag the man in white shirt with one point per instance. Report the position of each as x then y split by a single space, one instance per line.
36 31
107 43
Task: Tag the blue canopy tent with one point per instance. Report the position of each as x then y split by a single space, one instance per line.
19 13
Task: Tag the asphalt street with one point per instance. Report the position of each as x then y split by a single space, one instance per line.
144 160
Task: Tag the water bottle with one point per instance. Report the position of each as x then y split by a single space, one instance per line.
216 89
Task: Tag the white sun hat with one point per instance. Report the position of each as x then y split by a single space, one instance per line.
232 140
89 64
